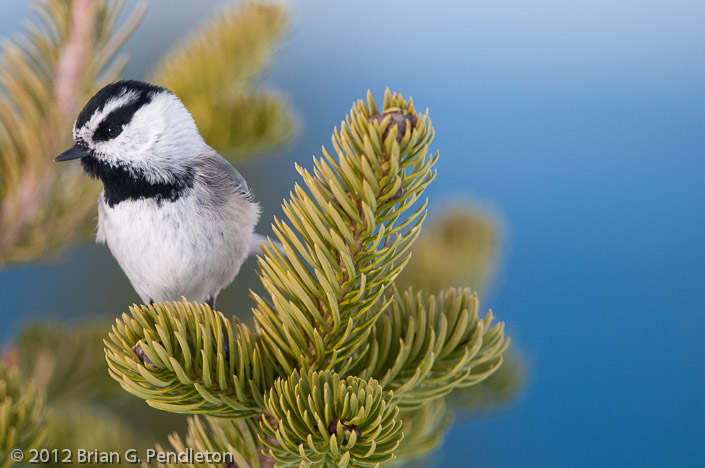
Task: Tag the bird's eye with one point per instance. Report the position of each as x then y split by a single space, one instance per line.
112 131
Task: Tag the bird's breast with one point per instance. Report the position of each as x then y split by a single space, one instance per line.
170 249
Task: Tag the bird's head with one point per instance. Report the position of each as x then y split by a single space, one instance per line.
138 128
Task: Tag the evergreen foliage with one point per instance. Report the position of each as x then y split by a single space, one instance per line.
346 239
337 351
21 414
186 358
423 429
87 428
422 348
318 419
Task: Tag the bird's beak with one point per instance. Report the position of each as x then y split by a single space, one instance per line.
75 152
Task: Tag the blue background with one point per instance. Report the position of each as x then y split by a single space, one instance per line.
583 124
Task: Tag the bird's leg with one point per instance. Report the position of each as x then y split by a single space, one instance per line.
211 302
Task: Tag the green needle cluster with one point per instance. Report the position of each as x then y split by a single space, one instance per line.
319 419
186 358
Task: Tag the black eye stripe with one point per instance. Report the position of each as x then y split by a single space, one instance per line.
143 91
119 118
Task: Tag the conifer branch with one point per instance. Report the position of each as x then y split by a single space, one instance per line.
186 358
353 356
422 348
345 240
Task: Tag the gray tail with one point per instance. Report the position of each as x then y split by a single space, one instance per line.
258 240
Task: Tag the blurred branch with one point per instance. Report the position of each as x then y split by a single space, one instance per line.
88 428
66 362
424 428
458 248
74 56
214 72
45 75
85 407
497 390
21 414
220 436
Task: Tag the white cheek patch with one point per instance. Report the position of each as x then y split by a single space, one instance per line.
135 145
161 137
146 128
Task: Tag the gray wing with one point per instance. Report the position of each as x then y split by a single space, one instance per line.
221 179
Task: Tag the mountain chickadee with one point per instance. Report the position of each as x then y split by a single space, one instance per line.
177 217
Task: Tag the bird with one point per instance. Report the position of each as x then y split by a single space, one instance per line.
178 218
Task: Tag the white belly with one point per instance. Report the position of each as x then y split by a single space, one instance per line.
166 254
